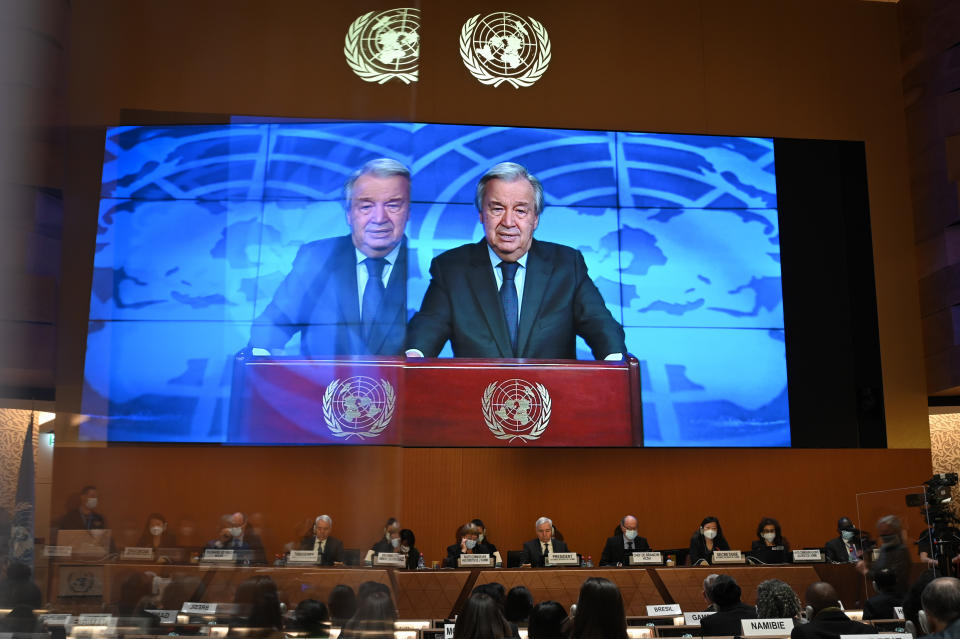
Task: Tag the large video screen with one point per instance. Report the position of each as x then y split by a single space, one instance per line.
199 226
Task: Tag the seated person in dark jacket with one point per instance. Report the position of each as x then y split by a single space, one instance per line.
226 539
882 604
155 533
407 548
941 604
85 516
389 542
535 551
770 546
847 546
730 610
329 549
484 538
468 543
827 620
617 550
709 537
18 589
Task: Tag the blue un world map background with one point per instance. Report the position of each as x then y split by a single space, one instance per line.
198 225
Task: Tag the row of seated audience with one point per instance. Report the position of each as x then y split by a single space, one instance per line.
771 546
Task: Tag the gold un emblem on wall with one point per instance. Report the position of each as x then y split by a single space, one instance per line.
360 407
516 409
504 47
385 45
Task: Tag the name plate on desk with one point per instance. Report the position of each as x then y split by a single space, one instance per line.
303 557
135 552
898 610
479 560
645 558
56 620
395 559
879 635
448 629
197 608
165 617
96 620
219 554
693 618
562 559
807 555
57 551
727 557
664 610
766 627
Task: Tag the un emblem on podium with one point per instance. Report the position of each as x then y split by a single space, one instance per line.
360 407
384 45
516 409
504 47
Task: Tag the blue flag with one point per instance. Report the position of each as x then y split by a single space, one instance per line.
21 532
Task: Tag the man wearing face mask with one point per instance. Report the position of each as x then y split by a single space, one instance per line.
85 517
894 554
941 605
847 546
229 536
390 541
618 548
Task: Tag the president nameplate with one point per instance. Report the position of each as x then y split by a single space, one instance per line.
646 559
727 557
562 559
808 556
475 561
394 559
766 627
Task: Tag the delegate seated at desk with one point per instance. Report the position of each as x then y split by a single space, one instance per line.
705 540
329 549
847 546
468 543
618 548
536 551
770 546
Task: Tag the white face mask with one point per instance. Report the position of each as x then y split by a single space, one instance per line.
709 533
847 535
395 542
236 531
405 549
91 502
769 536
470 544
156 531
630 535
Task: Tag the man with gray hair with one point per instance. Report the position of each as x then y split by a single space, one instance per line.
510 295
941 604
347 295
894 554
536 551
329 549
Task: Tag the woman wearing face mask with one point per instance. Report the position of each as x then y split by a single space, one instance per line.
406 547
468 543
769 537
155 534
705 540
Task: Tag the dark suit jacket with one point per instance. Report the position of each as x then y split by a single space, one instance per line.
836 550
698 548
73 520
614 553
319 297
897 558
881 606
333 551
560 302
534 556
830 624
726 621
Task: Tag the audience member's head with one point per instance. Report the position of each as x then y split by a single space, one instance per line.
777 600
368 588
260 598
821 595
885 581
546 621
725 591
342 604
183 588
941 602
374 618
495 591
600 613
518 604
133 590
312 617
911 603
707 585
19 590
482 618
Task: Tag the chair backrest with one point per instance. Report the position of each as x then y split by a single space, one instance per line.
514 558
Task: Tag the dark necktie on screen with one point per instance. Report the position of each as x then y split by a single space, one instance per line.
546 550
372 292
510 301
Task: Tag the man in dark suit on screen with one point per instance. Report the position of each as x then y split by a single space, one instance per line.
536 550
510 295
618 548
347 295
329 549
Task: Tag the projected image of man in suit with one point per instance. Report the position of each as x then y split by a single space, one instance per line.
347 295
510 295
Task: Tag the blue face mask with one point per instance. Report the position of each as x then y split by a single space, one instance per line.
847 535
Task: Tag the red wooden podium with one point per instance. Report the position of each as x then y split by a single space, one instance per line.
435 402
